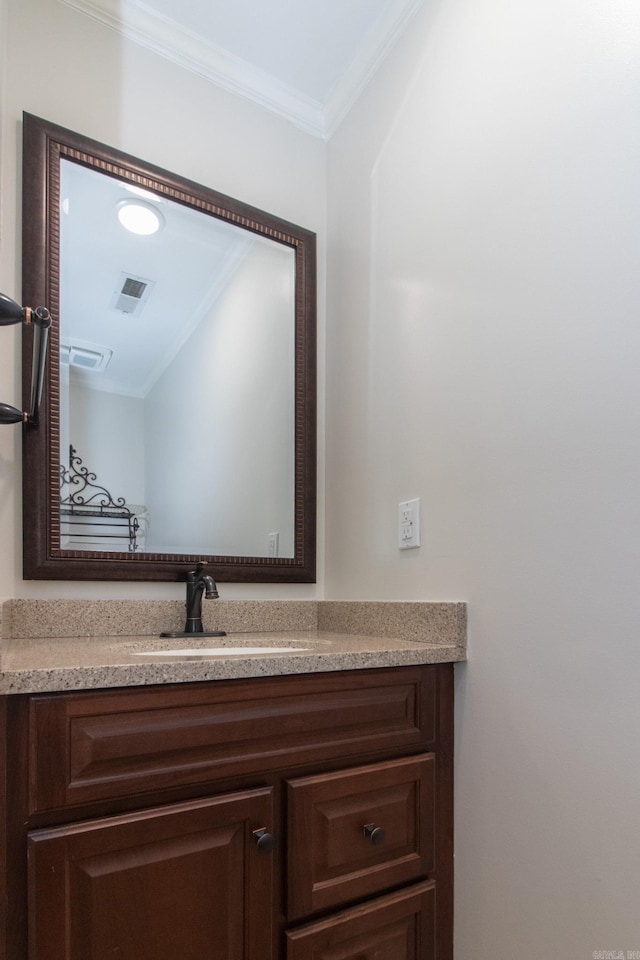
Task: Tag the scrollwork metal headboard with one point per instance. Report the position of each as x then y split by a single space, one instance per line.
89 511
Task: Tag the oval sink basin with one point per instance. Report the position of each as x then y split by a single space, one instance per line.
218 651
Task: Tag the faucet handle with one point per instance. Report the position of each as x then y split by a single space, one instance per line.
194 575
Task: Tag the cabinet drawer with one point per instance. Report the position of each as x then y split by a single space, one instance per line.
400 926
109 744
356 832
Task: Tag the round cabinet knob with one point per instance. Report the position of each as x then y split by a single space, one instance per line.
373 833
265 841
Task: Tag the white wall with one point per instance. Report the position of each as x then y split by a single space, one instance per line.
227 398
107 431
483 351
69 69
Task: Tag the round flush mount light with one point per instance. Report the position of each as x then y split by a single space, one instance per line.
140 217
141 192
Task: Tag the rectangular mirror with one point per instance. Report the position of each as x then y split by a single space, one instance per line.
178 422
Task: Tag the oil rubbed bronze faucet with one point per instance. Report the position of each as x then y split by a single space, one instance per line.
199 584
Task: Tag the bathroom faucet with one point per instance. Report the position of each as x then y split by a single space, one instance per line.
198 583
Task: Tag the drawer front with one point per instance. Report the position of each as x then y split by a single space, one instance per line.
357 832
400 926
97 746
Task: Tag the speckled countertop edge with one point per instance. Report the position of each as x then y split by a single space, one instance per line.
78 665
321 636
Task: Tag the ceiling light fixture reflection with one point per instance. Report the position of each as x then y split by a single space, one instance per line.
140 217
145 194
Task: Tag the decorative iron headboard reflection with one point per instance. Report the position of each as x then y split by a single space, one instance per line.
88 511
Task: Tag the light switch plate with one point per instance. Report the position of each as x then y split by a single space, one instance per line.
273 545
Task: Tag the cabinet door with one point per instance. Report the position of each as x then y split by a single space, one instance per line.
181 882
396 927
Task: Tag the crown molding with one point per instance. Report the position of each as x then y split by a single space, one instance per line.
136 21
377 44
176 43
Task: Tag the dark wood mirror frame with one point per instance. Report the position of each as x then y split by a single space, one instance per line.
44 145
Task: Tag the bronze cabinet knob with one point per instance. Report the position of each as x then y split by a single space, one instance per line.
373 833
265 841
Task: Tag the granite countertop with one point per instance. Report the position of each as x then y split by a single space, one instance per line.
298 638
29 666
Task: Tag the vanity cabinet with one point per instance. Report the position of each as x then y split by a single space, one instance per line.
288 818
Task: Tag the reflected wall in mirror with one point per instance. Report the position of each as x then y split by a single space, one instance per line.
179 420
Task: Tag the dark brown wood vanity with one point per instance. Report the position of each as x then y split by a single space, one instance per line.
279 818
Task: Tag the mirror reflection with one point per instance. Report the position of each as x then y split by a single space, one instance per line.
177 376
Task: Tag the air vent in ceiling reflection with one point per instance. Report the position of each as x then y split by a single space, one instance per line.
133 288
131 294
88 356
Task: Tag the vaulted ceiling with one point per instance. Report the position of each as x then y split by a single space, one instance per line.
307 60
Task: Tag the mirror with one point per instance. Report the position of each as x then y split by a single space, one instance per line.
178 422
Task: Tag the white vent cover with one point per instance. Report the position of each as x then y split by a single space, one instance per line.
87 356
131 294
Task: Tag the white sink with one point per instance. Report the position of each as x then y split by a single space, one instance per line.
219 651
